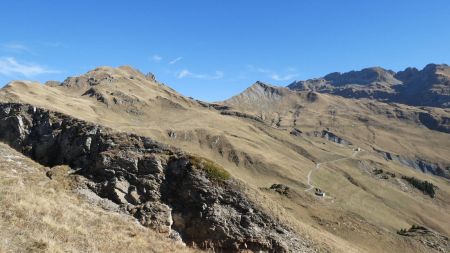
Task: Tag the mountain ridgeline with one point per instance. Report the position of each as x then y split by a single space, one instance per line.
427 87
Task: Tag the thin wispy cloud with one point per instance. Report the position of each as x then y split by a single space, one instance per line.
184 73
15 47
287 77
156 58
175 60
287 74
9 66
188 74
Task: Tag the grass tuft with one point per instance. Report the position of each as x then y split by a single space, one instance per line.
212 169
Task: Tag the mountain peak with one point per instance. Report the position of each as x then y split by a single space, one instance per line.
262 88
262 84
107 75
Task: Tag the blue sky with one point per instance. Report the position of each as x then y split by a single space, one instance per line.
212 50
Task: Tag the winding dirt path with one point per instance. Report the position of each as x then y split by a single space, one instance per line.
308 182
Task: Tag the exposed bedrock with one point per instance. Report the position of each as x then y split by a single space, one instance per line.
418 164
433 122
331 137
157 184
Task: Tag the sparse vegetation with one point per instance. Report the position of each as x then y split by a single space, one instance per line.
414 228
383 174
390 174
425 186
212 169
402 232
378 171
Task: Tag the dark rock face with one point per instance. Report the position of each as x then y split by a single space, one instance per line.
296 132
155 183
332 137
418 164
427 87
441 124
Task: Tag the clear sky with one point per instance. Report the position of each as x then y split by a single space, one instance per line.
212 50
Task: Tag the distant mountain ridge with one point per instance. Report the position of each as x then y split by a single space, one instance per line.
427 87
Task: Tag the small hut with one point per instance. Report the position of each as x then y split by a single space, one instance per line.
319 192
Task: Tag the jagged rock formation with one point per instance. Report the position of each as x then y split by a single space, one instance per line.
155 183
427 87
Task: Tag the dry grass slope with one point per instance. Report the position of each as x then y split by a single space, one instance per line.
42 215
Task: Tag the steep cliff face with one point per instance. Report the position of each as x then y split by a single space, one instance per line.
164 188
427 87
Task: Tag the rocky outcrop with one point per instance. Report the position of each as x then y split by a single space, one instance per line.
332 137
418 164
429 238
241 115
296 132
155 183
434 122
281 189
